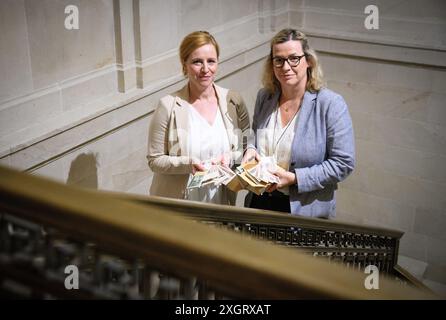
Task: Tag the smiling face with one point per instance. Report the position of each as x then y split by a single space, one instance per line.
201 66
286 75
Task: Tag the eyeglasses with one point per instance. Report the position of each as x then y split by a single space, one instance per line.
293 61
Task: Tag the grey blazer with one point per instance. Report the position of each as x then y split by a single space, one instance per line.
323 149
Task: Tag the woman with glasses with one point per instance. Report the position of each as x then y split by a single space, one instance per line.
197 126
306 128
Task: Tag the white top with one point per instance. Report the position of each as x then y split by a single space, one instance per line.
205 143
276 141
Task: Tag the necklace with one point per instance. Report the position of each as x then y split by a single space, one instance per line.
286 106
276 139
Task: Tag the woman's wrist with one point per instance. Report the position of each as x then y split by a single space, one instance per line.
292 179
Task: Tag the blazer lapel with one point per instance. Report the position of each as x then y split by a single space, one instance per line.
182 118
228 112
308 104
267 110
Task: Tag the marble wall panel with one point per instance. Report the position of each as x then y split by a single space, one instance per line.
93 88
407 189
198 15
402 161
405 22
375 210
430 222
414 245
58 53
435 251
18 117
392 101
347 69
439 81
159 26
15 66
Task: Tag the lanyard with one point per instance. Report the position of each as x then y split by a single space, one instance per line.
276 143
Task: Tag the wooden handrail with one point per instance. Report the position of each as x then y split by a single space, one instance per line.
240 266
207 210
212 212
355 245
411 278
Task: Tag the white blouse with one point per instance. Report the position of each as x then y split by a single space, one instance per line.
276 141
207 142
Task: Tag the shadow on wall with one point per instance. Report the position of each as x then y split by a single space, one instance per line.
84 171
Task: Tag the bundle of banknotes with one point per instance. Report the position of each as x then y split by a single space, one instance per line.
257 176
215 174
253 176
261 172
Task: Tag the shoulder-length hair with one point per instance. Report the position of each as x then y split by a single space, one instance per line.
314 71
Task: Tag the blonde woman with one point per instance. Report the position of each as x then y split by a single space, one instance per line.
200 124
305 127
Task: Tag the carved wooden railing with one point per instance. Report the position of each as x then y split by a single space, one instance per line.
353 245
126 250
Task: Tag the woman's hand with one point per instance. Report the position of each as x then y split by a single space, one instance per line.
250 154
286 178
197 166
224 160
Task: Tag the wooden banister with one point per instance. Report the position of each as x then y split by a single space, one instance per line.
236 218
355 245
237 265
213 211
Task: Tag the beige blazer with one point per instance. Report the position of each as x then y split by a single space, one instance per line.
168 139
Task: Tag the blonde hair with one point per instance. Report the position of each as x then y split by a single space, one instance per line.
314 71
194 41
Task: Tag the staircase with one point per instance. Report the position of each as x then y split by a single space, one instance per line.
62 242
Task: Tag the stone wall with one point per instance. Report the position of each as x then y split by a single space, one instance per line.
75 105
93 90
394 81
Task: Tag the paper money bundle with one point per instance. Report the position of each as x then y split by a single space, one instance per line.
256 177
216 175
253 176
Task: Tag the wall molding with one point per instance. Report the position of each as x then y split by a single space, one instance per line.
375 50
394 37
56 87
114 111
132 80
132 106
335 39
